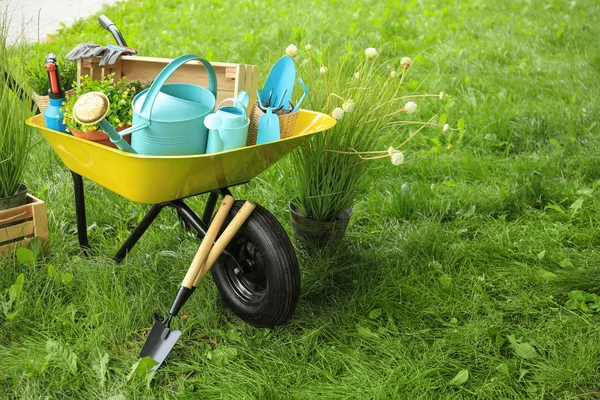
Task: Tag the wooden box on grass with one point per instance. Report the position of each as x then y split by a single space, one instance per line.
19 225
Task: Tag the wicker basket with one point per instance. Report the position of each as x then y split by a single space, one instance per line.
287 123
44 101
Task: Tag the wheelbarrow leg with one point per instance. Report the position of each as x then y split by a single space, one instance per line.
139 231
210 207
80 212
189 216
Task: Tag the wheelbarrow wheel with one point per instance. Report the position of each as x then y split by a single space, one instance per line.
261 281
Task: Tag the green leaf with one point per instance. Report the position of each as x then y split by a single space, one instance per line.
15 289
66 278
523 350
12 316
555 207
503 369
460 378
375 313
366 333
62 356
51 271
547 275
445 281
577 204
522 373
541 255
222 355
566 263
100 365
460 124
141 367
234 336
35 245
25 257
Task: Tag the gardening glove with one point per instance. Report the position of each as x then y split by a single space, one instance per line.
113 52
85 50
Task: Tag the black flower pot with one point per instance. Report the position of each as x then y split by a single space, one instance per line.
308 230
17 199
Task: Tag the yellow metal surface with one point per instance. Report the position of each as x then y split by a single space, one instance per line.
157 179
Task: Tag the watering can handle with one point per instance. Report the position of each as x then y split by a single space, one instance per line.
237 104
146 111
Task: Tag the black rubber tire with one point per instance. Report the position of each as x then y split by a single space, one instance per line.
266 293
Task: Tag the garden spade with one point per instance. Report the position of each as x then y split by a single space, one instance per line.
161 338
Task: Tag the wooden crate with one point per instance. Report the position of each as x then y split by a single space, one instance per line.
19 225
231 78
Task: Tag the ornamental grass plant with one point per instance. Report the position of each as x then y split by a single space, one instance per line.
363 90
15 107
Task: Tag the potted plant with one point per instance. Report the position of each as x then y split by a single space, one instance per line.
120 94
365 95
39 82
22 216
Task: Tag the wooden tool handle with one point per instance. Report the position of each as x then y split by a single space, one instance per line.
207 242
226 237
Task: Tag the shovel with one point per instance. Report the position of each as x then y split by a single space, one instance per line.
161 338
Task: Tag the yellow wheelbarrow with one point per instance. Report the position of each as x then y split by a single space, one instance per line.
258 274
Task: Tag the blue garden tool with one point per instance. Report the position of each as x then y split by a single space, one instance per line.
280 83
268 123
303 95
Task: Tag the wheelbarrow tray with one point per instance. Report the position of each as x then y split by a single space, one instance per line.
158 179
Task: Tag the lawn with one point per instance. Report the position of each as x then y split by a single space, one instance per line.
469 272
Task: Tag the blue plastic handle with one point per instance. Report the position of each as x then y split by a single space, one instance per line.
146 111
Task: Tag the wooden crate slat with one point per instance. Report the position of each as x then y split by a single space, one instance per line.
16 231
9 217
7 248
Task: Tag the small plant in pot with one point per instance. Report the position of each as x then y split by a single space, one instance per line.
120 94
364 91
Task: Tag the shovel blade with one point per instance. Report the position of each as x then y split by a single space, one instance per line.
159 343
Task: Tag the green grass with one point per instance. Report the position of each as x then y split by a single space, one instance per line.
474 241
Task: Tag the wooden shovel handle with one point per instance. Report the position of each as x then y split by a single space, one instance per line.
208 241
226 237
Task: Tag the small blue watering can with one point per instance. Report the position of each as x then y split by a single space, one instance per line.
228 126
168 120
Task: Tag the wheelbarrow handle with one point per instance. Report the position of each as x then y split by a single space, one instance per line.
226 237
207 242
112 28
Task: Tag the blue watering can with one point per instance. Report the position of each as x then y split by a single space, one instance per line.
228 126
168 119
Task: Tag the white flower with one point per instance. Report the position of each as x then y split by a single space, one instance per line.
337 113
324 69
356 75
410 107
397 158
308 47
370 53
348 105
291 51
391 150
446 127
393 74
442 95
405 62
